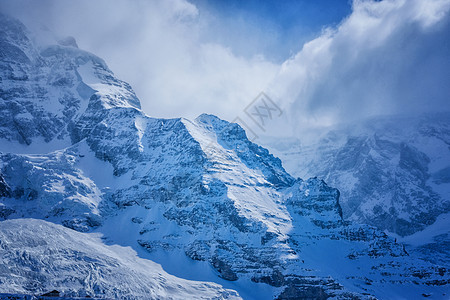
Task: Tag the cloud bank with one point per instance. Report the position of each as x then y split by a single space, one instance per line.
162 48
386 57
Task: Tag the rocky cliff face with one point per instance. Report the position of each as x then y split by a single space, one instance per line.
49 92
187 194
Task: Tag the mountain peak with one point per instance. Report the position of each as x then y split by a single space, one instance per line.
60 86
69 42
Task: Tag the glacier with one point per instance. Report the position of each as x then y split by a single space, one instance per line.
38 255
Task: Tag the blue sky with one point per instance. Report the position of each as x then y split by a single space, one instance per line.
285 24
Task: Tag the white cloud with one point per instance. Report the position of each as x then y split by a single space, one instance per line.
162 49
387 57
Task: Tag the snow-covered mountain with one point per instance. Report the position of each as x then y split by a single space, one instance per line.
195 196
392 172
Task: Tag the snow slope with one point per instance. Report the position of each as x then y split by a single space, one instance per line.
37 256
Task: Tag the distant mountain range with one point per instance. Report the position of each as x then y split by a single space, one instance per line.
392 172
